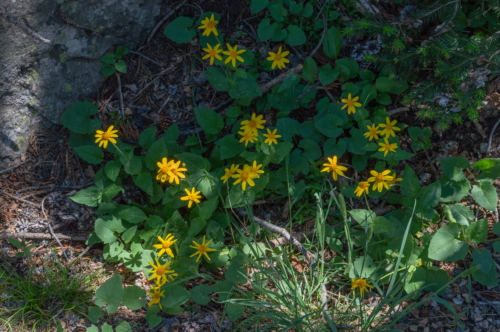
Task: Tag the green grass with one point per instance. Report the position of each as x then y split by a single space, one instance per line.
35 300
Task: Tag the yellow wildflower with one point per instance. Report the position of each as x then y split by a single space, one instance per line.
156 295
161 272
380 179
351 104
334 168
212 53
232 54
165 245
361 284
362 188
202 249
245 176
193 196
175 172
247 136
256 168
386 147
279 59
252 125
390 127
394 179
271 136
209 25
372 132
163 171
229 172
103 137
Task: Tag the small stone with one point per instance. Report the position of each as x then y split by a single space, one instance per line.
478 317
458 300
483 147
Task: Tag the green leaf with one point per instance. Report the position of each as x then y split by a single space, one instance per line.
95 313
197 225
384 99
445 247
452 167
152 317
193 162
310 70
179 30
477 231
367 75
229 147
435 279
490 169
287 128
482 259
236 273
382 225
281 150
369 92
264 29
224 288
110 192
244 88
278 12
210 121
333 147
295 36
199 294
104 231
156 153
177 225
485 195
351 64
147 137
106 328
121 51
108 58
311 149
416 280
385 84
362 216
460 214
217 78
399 87
289 82
332 43
112 169
144 182
175 296
238 197
90 153
129 234
452 191
88 196
327 125
110 293
431 195
123 327
108 70
234 311
496 246
327 74
487 279
132 214
258 5
77 118
121 66
134 297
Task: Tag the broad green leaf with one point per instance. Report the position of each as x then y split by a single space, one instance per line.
234 311
278 12
133 214
369 92
238 197
210 121
452 167
200 293
477 231
152 317
95 313
147 137
385 84
333 147
362 216
287 128
229 147
175 296
264 30
108 70
460 214
197 225
258 5
134 297
445 247
217 78
452 191
77 118
123 327
490 169
88 196
435 279
106 328
332 43
90 153
416 280
129 234
328 126
177 225
399 87
110 192
121 51
382 225
193 162
482 259
108 58
244 88
485 195
431 195
156 153
384 99
110 294
327 74
351 64
112 169
311 149
144 182
121 66
179 30
487 279
281 150
236 273
295 36
310 70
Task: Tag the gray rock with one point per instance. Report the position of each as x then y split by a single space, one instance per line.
38 80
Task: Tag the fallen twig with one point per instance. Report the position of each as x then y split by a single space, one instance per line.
164 19
52 231
14 167
398 110
52 187
325 26
491 136
145 57
19 199
41 236
495 307
30 32
266 87
122 109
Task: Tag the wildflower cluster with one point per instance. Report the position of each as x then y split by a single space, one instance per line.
250 131
388 131
243 175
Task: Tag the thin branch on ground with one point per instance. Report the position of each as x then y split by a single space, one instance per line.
325 26
491 137
398 110
492 305
19 199
122 109
52 187
15 166
81 255
52 231
145 57
308 90
434 170
163 20
266 87
41 236
23 27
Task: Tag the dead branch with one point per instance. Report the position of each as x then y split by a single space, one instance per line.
23 27
164 19
41 236
266 87
122 109
52 231
15 166
19 199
